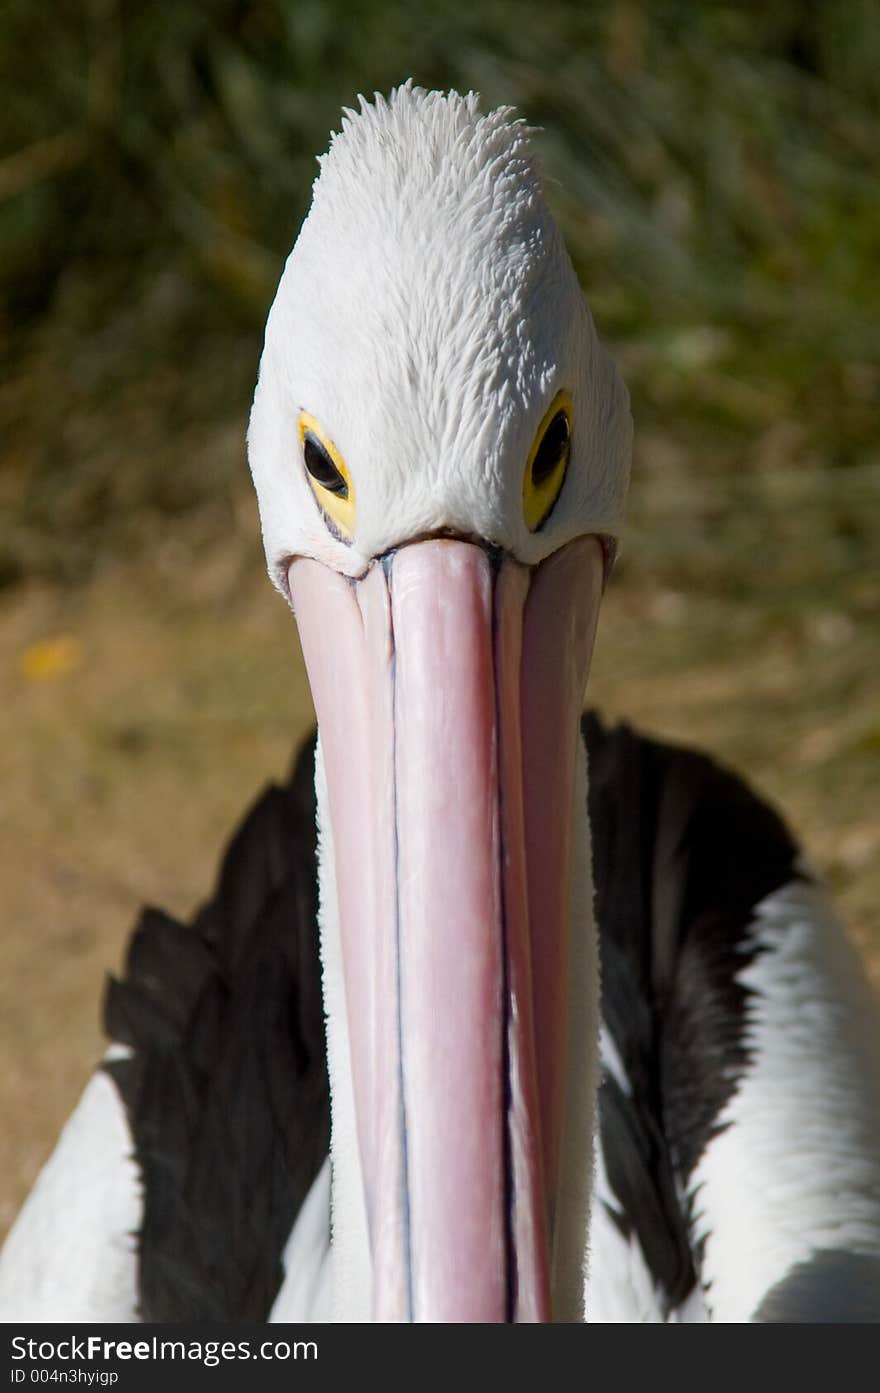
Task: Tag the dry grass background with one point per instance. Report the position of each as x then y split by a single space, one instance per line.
717 184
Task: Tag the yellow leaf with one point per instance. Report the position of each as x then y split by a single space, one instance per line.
54 657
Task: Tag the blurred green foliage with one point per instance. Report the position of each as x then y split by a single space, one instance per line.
714 167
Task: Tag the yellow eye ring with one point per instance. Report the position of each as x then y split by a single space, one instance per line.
328 477
548 462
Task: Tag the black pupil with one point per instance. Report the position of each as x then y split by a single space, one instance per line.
552 449
321 467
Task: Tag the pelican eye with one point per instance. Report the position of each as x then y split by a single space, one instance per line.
329 478
548 463
321 467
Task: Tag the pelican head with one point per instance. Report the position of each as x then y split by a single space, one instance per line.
440 448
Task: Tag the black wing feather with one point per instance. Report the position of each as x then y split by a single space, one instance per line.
683 851
226 1089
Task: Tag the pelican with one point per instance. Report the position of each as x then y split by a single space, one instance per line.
496 1014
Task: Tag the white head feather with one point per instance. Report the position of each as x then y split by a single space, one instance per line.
426 317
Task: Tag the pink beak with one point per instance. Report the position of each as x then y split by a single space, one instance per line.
448 686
